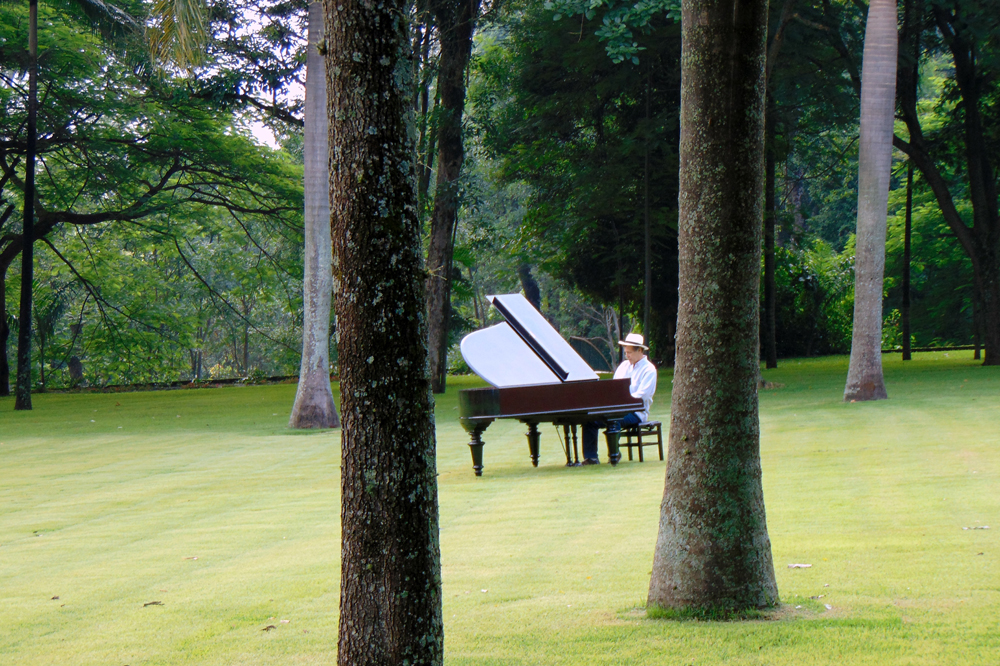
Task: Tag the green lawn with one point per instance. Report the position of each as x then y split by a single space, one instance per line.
202 500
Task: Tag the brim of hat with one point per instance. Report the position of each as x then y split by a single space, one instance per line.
632 344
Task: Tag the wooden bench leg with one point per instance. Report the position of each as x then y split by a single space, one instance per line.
639 435
659 440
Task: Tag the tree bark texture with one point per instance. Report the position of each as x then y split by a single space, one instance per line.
878 103
22 388
770 209
713 550
455 21
390 596
313 407
981 240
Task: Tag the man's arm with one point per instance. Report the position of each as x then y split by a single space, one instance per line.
644 385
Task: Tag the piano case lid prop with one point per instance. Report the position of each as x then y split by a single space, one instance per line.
524 351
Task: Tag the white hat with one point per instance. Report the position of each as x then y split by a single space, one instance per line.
633 340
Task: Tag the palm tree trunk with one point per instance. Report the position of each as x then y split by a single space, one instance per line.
878 102
22 390
713 551
313 407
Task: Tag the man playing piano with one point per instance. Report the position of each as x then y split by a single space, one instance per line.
642 373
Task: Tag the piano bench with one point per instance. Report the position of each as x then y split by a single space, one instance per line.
650 430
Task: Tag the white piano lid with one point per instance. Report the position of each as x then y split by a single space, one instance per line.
539 341
501 357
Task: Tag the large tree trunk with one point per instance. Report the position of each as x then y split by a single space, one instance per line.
455 22
314 406
878 102
22 390
713 550
390 592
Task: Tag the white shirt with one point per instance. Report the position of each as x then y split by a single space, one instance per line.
643 376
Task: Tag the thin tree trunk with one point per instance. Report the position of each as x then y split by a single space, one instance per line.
770 304
713 551
878 102
425 153
530 286
4 336
455 20
977 325
41 366
647 280
22 390
907 232
770 208
246 350
390 592
313 407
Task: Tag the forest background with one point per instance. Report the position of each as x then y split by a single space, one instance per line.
173 248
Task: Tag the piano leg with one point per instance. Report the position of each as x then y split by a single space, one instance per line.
571 451
576 450
533 437
614 453
476 429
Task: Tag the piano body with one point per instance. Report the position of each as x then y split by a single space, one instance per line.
536 377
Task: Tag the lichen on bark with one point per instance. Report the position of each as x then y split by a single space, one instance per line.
390 605
713 551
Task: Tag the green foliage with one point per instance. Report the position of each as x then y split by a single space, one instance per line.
560 117
619 21
941 278
815 300
179 235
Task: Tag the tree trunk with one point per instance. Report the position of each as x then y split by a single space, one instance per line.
313 407
907 234
22 389
4 336
390 594
977 326
455 20
647 243
530 286
41 365
770 305
425 137
878 102
713 551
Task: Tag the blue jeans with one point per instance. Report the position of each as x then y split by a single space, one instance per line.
591 429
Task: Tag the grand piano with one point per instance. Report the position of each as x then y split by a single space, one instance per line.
535 377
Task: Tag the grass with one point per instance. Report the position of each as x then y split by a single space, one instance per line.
204 501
